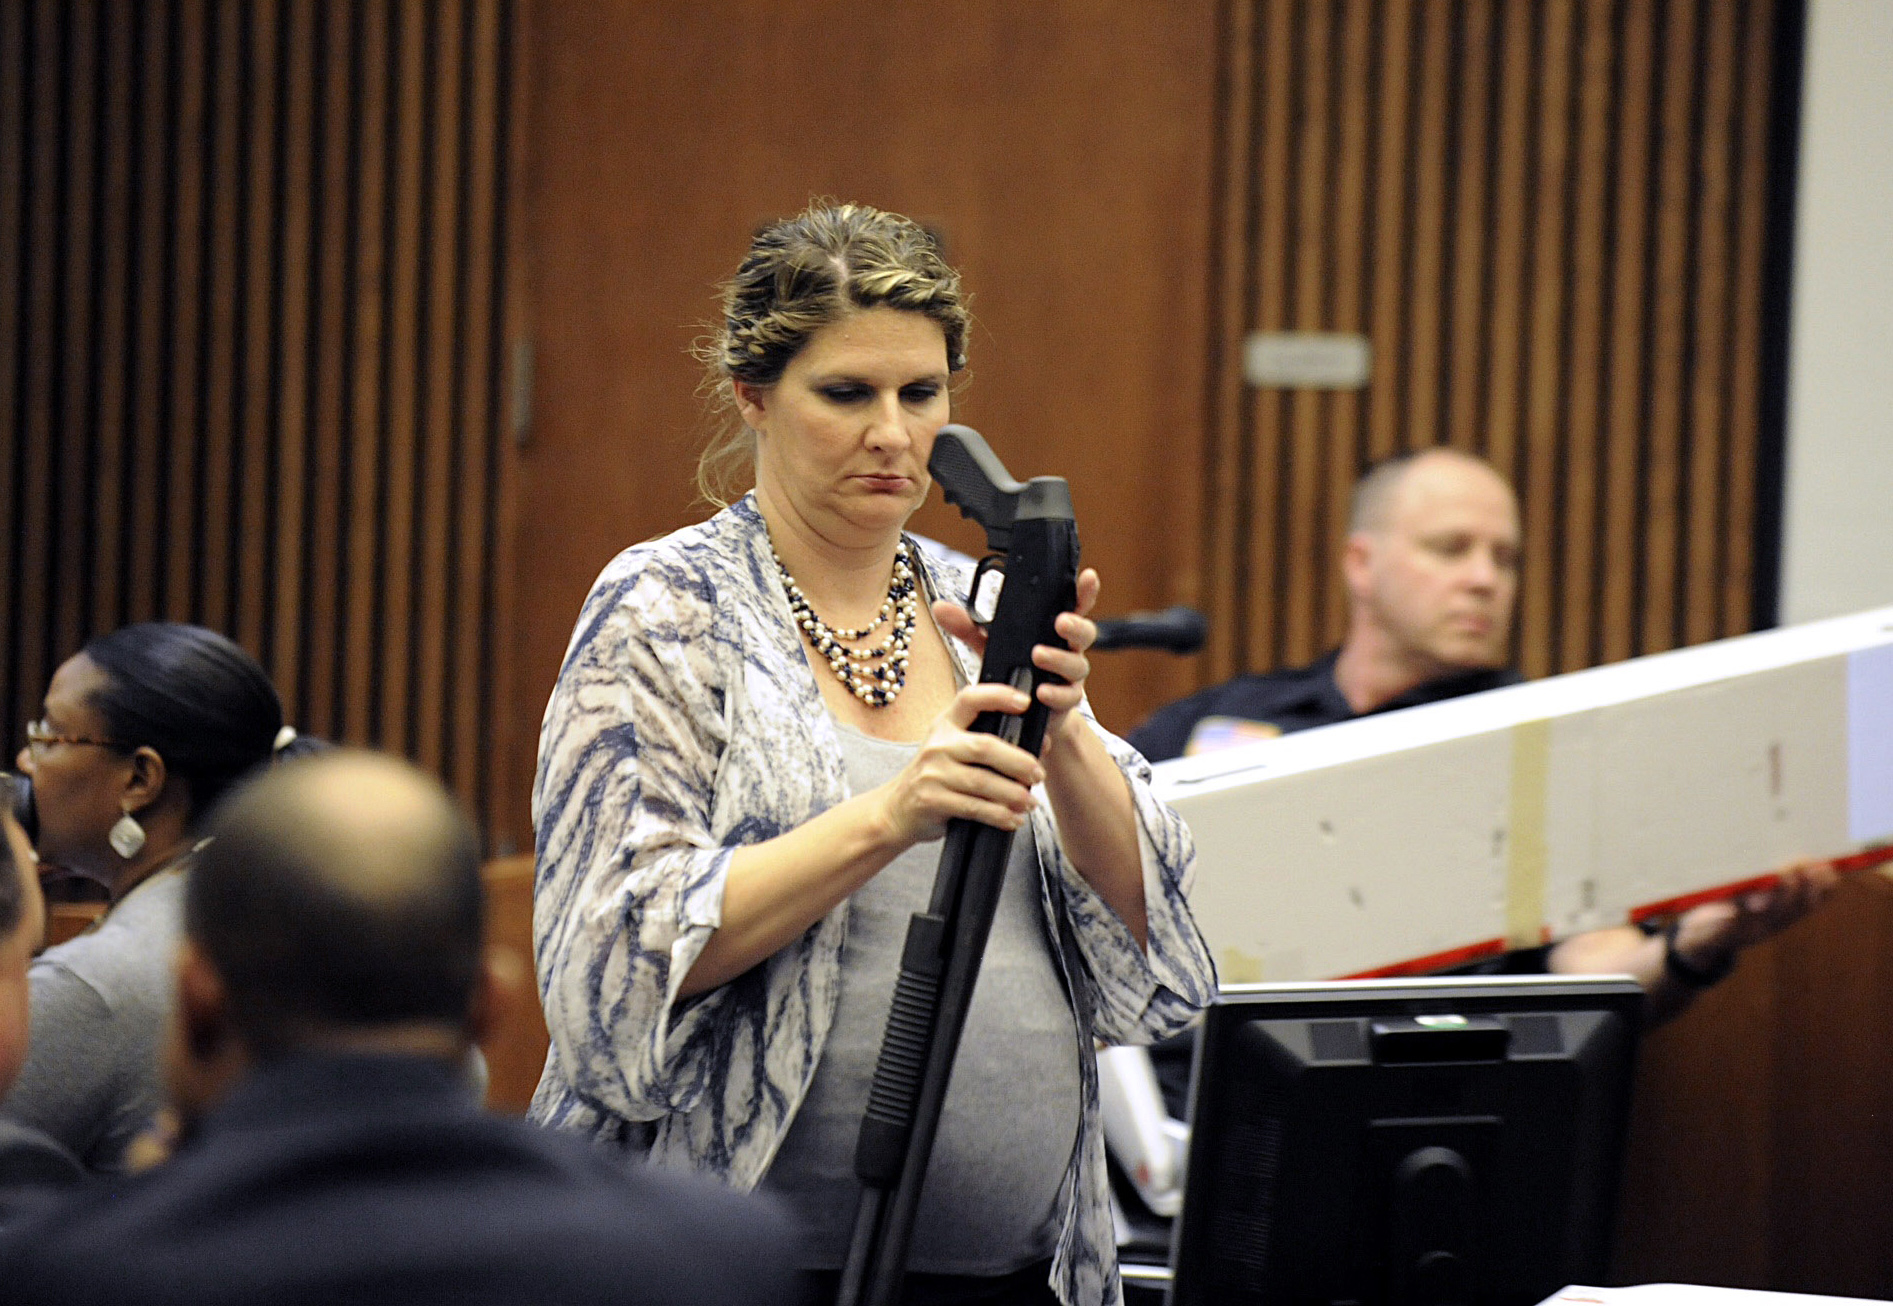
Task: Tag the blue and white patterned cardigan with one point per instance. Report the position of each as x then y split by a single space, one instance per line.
686 723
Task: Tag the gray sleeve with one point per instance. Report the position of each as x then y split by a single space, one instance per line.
69 1081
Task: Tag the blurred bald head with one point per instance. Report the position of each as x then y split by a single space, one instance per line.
1431 567
1381 491
341 894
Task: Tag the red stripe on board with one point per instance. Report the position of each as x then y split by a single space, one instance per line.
1438 961
1675 906
1443 960
1860 861
1864 861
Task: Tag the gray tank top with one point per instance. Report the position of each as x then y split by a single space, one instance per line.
990 1203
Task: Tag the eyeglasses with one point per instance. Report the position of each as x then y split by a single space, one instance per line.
40 737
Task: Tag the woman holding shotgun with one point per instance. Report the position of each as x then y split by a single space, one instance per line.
758 737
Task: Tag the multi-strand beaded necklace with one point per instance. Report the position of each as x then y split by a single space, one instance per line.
877 674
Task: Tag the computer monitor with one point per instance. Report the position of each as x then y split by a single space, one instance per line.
1405 1141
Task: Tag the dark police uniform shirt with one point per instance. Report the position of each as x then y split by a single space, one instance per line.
1282 702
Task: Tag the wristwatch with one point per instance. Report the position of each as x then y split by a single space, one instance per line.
1689 973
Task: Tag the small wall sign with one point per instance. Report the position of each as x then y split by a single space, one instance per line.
1307 360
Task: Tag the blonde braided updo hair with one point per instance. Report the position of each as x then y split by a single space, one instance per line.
800 275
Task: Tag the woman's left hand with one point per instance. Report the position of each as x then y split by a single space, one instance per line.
1090 795
1070 664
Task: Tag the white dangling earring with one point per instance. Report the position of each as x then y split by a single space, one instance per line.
127 837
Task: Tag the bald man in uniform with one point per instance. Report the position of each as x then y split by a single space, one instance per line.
1431 568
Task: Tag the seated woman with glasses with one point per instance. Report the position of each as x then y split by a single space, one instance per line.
142 732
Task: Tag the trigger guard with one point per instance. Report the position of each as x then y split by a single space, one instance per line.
982 596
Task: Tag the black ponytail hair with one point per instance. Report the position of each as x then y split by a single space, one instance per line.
195 698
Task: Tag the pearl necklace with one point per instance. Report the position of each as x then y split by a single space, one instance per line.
875 675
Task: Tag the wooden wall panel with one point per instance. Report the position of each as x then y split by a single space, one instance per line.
1760 1137
255 327
1542 215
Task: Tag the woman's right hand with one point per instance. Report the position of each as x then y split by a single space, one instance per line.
778 888
959 772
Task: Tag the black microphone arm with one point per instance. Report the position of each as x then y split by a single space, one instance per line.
1174 630
1032 525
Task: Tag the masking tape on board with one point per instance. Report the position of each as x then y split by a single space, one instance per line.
1528 854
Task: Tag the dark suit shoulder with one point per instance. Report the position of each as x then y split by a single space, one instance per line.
34 1171
423 1206
1288 699
1476 680
31 1155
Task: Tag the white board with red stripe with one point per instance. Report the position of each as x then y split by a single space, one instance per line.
1439 833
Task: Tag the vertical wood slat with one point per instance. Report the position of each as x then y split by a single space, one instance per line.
434 502
34 488
1669 343
13 161
250 347
253 514
1273 69
143 424
327 403
368 182
501 510
1584 338
1627 363
71 382
181 502
1707 454
1347 179
1534 207
1425 162
219 240
1302 299
111 256
1511 211
1512 203
1386 320
292 275
1463 363
1536 469
1744 338
394 485
471 418
1223 585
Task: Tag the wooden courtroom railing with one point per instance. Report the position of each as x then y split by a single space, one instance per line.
516 1049
66 920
